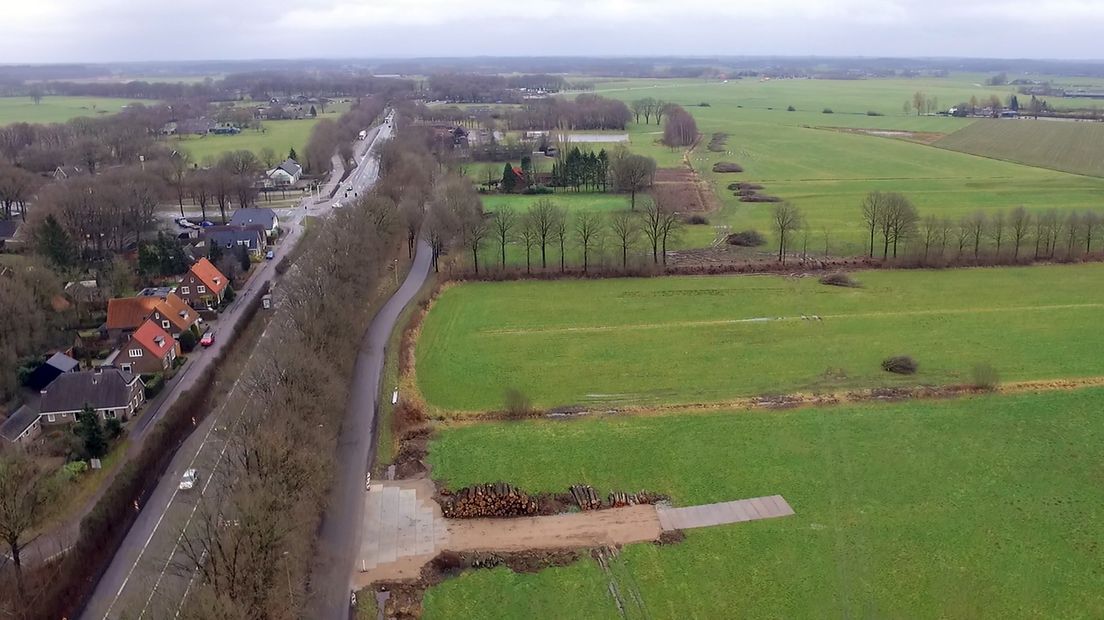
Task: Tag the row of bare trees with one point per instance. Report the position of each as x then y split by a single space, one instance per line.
892 223
252 540
546 227
586 111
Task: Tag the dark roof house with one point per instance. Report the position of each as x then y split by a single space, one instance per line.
103 389
58 364
21 426
265 218
252 236
8 230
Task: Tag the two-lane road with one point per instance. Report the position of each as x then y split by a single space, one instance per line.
146 577
339 538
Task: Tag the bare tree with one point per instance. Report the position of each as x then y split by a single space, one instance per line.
996 231
25 496
543 214
1090 223
504 220
1019 223
872 207
559 231
1073 232
588 228
412 212
632 173
930 228
528 235
626 230
977 223
901 218
680 130
786 219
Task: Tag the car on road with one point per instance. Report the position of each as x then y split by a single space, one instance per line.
271 254
189 480
208 339
206 223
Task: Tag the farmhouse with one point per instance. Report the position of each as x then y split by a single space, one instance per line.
174 315
126 314
109 391
203 285
63 173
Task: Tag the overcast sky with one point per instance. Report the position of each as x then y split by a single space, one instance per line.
124 30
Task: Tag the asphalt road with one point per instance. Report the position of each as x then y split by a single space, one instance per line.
147 577
339 537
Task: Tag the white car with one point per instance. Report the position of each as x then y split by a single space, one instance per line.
190 479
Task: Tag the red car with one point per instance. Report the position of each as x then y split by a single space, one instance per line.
207 340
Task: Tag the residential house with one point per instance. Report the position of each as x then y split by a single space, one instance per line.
58 364
64 173
253 237
257 217
203 285
174 315
109 391
286 174
126 314
149 350
9 229
21 427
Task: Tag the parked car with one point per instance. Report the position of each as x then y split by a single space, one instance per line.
207 340
190 479
183 221
206 223
271 254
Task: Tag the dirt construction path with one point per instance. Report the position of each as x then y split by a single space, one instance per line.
615 526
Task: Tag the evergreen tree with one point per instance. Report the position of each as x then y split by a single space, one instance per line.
509 181
293 155
313 112
149 260
243 258
214 253
88 428
55 244
527 169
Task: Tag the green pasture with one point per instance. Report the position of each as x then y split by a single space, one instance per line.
280 136
1076 146
710 339
58 109
981 507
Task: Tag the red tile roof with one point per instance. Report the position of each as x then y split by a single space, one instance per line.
177 312
129 312
154 339
211 277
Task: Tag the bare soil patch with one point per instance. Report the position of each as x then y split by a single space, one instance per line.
922 137
685 188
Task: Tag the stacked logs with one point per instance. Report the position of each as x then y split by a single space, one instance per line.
618 499
489 500
585 497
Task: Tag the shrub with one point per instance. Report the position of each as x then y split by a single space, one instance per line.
826 111
407 416
537 189
874 113
839 279
704 104
985 377
760 198
72 470
697 220
188 341
900 364
113 428
517 403
746 239
744 185
154 385
727 166
790 108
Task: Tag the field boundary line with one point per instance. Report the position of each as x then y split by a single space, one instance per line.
767 319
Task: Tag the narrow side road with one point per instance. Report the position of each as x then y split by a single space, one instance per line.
339 537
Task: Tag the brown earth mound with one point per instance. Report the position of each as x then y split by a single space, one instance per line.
686 190
727 166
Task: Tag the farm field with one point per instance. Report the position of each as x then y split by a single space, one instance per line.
982 507
58 109
1067 146
280 136
801 157
658 341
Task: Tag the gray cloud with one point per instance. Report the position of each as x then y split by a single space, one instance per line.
114 30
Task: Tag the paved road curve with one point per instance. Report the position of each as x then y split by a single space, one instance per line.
139 568
339 539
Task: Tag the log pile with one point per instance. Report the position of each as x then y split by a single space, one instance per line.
585 497
618 499
489 500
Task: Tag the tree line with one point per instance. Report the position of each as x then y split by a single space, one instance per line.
586 111
483 88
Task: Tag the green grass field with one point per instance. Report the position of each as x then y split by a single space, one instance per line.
58 109
280 136
1067 146
710 339
984 507
826 173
